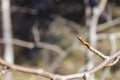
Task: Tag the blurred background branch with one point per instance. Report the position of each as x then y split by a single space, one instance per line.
43 35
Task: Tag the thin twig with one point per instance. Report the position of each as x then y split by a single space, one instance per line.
26 70
113 63
105 35
92 49
95 69
30 45
43 73
112 37
108 24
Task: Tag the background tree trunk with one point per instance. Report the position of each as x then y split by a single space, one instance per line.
7 34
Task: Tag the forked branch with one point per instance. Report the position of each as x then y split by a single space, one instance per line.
84 75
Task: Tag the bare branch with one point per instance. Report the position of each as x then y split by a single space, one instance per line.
44 45
26 70
92 49
112 37
108 24
104 36
51 47
24 10
61 20
43 73
95 69
101 6
7 32
92 23
113 63
36 33
20 43
57 60
23 43
105 73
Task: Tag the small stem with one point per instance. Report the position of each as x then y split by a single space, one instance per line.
92 48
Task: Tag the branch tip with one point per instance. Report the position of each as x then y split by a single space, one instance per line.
83 41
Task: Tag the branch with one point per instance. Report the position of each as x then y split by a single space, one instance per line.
112 37
104 36
31 45
45 45
114 62
24 10
43 73
26 70
92 23
7 30
108 24
7 34
95 69
61 20
92 49
52 47
36 33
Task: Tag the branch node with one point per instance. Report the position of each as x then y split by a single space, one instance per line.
107 58
86 76
113 62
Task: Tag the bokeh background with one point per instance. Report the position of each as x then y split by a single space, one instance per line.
45 35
